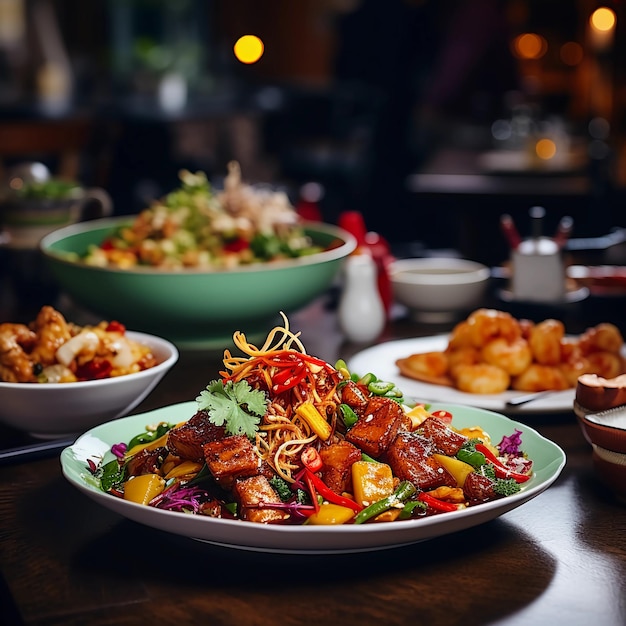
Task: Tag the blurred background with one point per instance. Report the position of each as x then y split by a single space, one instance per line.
431 117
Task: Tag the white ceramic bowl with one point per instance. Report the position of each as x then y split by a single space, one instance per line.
438 289
52 410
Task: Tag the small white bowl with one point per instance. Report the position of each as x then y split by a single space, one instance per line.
51 410
438 289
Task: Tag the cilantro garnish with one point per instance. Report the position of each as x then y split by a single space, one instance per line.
236 406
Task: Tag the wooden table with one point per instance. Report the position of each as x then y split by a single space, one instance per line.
559 559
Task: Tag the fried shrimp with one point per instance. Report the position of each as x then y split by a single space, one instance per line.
540 377
16 365
513 357
52 332
429 363
462 356
461 336
426 366
492 351
601 338
604 363
488 324
545 341
481 378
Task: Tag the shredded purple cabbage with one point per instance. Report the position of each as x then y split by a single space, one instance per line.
292 507
512 444
177 498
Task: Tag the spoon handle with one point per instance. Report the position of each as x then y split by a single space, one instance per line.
529 397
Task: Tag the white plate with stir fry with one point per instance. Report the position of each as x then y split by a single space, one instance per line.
548 461
287 453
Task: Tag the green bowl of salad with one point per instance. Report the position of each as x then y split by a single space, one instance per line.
195 307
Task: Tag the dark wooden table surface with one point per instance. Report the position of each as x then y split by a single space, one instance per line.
559 559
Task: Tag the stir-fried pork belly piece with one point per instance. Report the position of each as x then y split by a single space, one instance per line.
249 492
186 440
377 426
445 439
478 488
338 459
353 396
146 461
410 459
231 458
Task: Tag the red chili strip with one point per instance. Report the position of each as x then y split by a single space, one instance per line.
327 493
435 503
312 460
308 478
502 471
277 358
294 378
444 416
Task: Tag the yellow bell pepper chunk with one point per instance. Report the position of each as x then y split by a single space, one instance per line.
184 468
152 445
141 489
458 469
331 514
371 482
417 414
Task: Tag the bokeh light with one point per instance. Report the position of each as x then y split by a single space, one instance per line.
602 19
571 53
545 149
529 46
248 49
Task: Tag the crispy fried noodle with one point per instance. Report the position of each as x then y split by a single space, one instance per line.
283 433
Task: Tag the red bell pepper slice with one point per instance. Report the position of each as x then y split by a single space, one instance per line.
236 245
94 370
115 327
502 471
327 493
435 503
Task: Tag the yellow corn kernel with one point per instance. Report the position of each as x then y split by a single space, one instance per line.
331 514
371 482
141 489
184 468
458 469
315 420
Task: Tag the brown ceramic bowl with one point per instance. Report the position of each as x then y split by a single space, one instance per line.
606 429
611 469
606 432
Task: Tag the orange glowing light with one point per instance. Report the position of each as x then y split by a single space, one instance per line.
545 149
571 53
602 19
248 49
529 46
